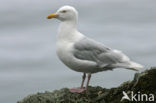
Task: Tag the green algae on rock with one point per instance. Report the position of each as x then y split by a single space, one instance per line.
144 82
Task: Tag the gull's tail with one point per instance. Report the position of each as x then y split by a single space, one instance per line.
134 66
129 65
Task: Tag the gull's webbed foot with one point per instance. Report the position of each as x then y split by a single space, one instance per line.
77 90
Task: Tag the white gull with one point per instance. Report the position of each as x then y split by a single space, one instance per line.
83 54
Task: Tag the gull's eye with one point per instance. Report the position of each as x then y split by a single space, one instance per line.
63 11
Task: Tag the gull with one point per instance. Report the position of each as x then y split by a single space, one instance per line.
83 54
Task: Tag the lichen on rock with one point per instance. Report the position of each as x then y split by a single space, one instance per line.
144 82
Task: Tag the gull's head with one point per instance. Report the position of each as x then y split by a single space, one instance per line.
65 13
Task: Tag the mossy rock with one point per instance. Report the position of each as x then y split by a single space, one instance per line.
144 82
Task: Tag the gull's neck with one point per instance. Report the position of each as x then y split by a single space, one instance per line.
68 25
68 31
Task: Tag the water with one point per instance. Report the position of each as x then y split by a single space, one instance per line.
28 62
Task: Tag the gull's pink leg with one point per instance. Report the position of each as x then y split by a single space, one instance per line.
89 76
79 90
83 79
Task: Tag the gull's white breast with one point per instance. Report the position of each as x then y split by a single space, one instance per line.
65 53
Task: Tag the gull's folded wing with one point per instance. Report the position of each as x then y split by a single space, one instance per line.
88 49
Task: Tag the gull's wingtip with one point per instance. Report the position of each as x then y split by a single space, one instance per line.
135 66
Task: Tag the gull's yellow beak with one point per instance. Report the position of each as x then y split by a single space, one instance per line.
54 15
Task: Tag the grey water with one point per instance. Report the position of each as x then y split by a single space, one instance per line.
28 61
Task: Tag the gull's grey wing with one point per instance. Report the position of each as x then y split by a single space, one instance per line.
88 49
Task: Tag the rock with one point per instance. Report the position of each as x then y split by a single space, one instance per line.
143 83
